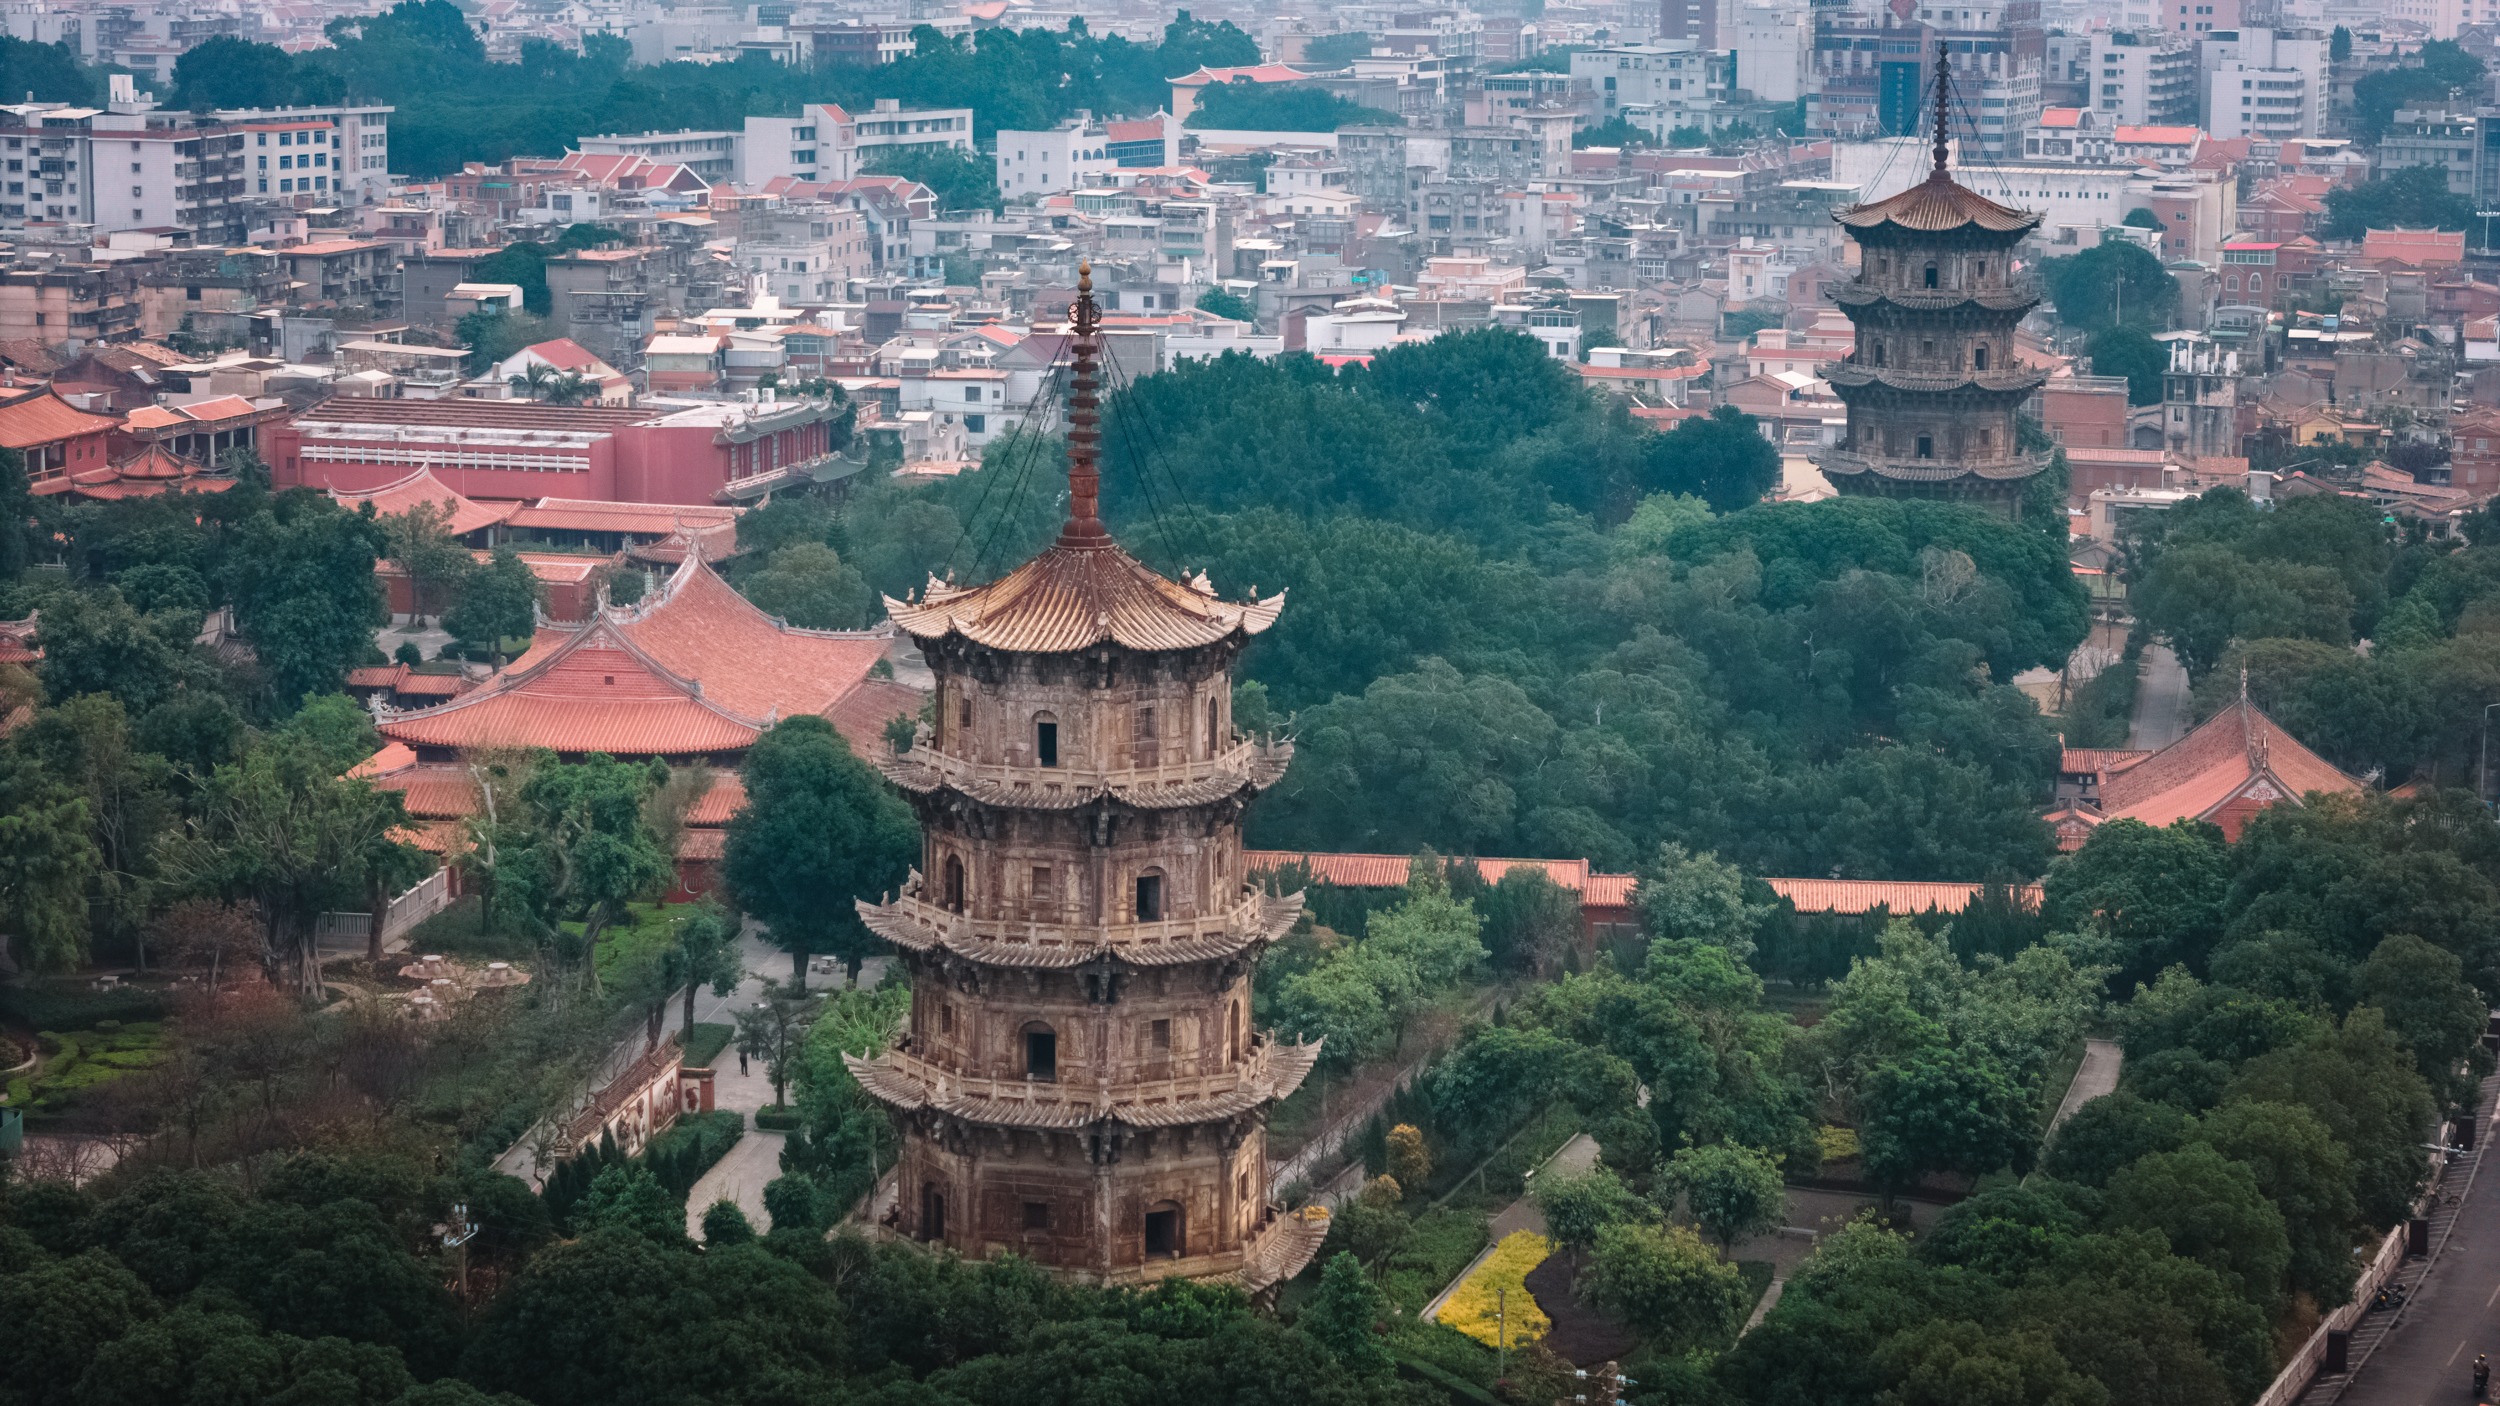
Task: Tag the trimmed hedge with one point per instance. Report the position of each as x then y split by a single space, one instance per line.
779 1120
60 1006
705 1044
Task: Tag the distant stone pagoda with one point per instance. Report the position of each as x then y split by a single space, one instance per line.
1080 1083
1933 385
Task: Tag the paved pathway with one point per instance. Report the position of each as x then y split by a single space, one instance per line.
2424 1352
2095 1078
2161 701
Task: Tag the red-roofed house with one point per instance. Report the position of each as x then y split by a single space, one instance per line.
145 474
565 357
464 516
1185 89
204 430
2156 144
56 437
2232 765
2413 248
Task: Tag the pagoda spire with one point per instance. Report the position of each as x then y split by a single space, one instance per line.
1944 77
1084 526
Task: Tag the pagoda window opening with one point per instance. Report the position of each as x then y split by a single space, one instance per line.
1926 447
1150 896
1045 890
1232 1034
1163 1231
1983 268
1037 1215
1041 1053
1159 1035
932 1212
1045 739
1931 275
954 882
1979 358
1215 729
1879 353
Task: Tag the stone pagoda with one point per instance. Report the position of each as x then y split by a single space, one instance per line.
1080 1083
1933 385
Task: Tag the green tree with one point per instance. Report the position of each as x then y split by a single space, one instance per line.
961 180
2201 597
1684 896
2416 197
94 643
2360 1082
1344 1315
284 829
2440 69
228 72
304 591
2339 45
1531 923
2307 1175
725 1224
493 335
1664 1283
1577 1208
1224 302
820 830
1734 1193
1280 107
2429 1004
420 542
1951 1110
810 586
1955 1362
2210 1209
2157 895
630 1199
705 953
86 743
1721 458
774 1030
47 857
2112 282
2112 1132
2128 351
499 602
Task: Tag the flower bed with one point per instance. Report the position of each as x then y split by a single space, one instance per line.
1498 1291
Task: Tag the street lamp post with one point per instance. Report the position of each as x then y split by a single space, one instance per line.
457 1233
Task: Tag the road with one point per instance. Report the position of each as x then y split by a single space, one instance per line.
2161 701
2095 1077
2428 1356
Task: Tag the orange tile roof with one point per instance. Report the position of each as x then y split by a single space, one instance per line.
702 844
1383 871
1894 896
699 627
726 796
586 515
1936 204
2157 136
394 756
39 417
2103 760
2236 752
862 714
1073 597
467 515
597 692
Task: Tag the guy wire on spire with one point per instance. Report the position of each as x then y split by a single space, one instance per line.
1084 526
1944 76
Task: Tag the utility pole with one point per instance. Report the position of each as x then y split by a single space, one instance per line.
1501 1334
456 1234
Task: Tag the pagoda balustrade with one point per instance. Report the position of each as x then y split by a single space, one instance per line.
1062 925
1246 758
1844 462
1079 1095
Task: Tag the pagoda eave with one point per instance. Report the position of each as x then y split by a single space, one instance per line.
1839 464
1847 376
1251 767
2011 301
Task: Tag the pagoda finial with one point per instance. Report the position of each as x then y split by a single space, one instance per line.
1084 526
1944 76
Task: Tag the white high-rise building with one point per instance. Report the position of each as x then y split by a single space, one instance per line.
1773 45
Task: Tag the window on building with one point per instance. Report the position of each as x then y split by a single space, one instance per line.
1037 1215
1979 358
1926 447
1150 896
1159 1035
1931 275
954 883
1045 740
1041 1053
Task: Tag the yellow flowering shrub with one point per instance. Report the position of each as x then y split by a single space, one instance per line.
1837 1144
1476 1309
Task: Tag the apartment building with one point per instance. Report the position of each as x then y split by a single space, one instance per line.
358 170
806 255
2451 141
2150 80
711 155
1674 75
1081 152
69 306
826 142
603 299
2264 83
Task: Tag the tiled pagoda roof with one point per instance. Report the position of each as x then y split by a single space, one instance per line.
1073 597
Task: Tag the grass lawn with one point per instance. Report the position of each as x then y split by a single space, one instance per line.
75 1061
705 1045
1442 1242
